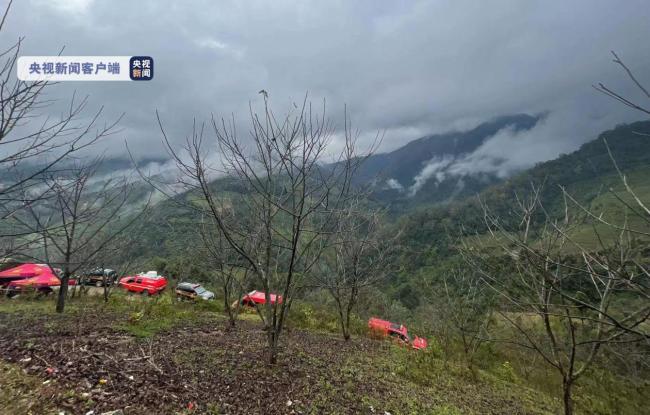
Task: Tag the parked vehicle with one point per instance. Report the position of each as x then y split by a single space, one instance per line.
148 283
44 283
97 277
190 291
31 277
22 271
258 297
397 331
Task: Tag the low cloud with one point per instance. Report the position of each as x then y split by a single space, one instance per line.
405 69
436 169
510 151
394 185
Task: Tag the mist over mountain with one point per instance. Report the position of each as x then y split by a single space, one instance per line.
435 168
589 174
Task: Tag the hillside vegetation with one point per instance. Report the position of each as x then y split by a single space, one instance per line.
147 355
588 174
160 355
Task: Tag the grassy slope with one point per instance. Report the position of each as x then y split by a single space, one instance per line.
330 376
602 197
326 375
608 203
21 393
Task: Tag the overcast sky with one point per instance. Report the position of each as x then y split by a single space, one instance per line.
406 68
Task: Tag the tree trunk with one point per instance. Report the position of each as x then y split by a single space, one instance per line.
231 316
273 346
568 401
232 322
469 361
346 329
63 292
344 320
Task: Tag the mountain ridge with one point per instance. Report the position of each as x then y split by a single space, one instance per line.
586 174
395 175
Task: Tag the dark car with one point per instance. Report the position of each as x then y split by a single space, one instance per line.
99 276
191 291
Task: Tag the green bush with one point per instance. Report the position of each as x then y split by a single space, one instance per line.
506 372
418 366
148 316
305 316
447 410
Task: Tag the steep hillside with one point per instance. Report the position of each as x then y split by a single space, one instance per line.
587 174
195 364
396 175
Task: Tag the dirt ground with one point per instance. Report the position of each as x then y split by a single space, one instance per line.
86 362
199 367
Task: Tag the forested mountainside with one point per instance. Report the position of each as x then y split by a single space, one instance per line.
429 231
432 233
399 176
587 174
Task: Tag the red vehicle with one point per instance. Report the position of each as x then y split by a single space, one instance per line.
144 283
25 277
259 297
397 331
22 271
43 283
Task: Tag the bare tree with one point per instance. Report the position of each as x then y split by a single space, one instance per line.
576 302
359 257
226 265
118 255
565 301
287 209
466 306
32 144
620 98
82 218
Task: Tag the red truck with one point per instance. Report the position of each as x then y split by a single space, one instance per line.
148 283
398 331
259 297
